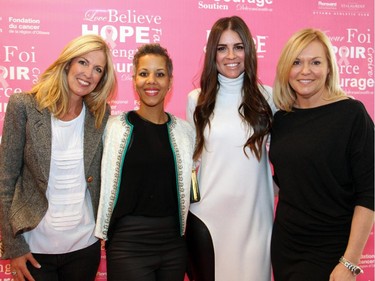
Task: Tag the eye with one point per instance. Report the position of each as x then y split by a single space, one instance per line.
160 74
142 74
221 49
297 62
239 47
316 62
82 61
99 70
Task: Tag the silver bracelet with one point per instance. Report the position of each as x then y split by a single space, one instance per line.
355 269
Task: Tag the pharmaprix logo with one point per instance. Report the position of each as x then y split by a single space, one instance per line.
332 8
327 5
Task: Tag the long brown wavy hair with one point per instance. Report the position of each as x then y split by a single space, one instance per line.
254 109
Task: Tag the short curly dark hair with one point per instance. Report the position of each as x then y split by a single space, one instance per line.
153 49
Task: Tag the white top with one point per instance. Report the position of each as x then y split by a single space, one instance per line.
69 222
237 197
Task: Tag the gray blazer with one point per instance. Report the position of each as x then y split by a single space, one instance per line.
25 155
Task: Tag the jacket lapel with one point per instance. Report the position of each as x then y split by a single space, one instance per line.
42 139
92 138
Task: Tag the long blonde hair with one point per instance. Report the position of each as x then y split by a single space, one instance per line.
284 96
52 90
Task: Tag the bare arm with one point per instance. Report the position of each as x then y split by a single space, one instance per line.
362 222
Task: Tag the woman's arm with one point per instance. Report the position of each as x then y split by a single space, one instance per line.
362 222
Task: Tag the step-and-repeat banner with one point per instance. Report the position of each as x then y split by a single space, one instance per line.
33 33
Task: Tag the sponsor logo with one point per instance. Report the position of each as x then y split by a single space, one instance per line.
238 5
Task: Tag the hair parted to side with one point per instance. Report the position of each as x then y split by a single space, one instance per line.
254 108
153 49
52 90
284 96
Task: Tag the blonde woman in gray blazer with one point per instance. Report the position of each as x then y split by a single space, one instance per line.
50 166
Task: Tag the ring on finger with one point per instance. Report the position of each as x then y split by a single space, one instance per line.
14 273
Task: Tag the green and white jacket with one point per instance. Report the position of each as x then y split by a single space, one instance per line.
117 136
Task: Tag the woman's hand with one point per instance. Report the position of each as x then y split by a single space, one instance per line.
341 273
19 269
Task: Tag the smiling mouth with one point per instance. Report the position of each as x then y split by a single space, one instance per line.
232 64
305 81
83 83
151 92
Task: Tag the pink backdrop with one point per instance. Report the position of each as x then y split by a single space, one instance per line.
32 34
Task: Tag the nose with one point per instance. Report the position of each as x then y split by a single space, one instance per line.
306 68
231 54
88 72
151 79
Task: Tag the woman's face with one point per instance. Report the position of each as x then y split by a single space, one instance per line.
230 54
309 73
151 81
85 72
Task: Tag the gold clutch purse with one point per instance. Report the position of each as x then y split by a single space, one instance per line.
194 189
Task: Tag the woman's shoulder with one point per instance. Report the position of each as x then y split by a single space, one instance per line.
182 124
267 94
265 89
346 106
194 94
179 121
353 104
118 120
21 101
22 97
354 107
120 116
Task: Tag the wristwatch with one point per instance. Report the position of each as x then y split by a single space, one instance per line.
355 269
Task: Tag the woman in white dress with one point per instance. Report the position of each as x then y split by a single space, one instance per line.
229 229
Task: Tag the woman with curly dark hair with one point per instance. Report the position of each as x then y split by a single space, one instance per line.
146 174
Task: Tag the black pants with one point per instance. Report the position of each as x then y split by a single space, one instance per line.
80 265
146 249
200 249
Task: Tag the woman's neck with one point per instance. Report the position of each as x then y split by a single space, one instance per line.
154 116
75 109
